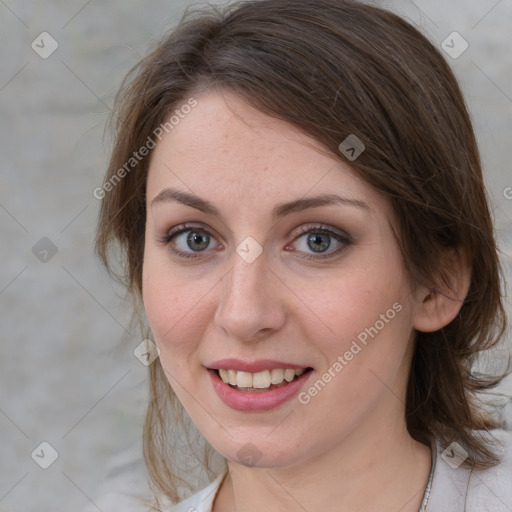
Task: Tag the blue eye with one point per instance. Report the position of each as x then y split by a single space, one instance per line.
197 239
319 239
193 240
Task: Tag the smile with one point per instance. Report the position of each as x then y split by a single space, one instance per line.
261 381
258 391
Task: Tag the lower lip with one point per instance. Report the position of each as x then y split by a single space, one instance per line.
259 400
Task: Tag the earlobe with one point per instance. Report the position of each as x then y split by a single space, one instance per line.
437 307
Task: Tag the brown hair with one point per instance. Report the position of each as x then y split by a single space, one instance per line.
335 68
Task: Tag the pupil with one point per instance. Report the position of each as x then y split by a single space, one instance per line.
315 238
194 238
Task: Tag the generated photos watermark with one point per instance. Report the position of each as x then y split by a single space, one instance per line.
352 147
137 156
356 346
454 455
249 455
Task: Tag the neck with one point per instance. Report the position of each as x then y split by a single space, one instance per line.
365 472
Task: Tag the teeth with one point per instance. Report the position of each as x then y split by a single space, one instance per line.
231 377
289 374
244 379
277 376
259 380
224 375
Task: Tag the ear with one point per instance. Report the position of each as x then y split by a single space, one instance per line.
437 307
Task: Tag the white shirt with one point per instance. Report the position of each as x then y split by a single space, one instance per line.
453 489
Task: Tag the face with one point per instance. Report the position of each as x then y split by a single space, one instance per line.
254 271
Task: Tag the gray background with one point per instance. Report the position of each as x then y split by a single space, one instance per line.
68 375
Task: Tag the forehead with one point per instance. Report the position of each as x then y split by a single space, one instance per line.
224 148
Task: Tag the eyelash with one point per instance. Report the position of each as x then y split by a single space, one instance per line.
317 229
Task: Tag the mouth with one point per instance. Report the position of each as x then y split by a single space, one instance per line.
259 382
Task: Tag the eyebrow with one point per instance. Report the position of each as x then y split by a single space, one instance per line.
280 210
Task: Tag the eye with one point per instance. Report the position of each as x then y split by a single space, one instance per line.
188 241
319 239
188 238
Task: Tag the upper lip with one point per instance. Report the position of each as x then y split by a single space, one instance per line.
252 366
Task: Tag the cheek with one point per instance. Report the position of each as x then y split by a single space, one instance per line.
169 304
354 299
365 356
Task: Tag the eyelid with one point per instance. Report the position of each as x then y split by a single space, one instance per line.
321 228
167 238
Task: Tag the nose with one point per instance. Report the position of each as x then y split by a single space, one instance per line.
251 303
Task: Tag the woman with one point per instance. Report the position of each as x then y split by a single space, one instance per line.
297 190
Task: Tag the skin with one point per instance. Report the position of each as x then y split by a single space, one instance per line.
347 449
